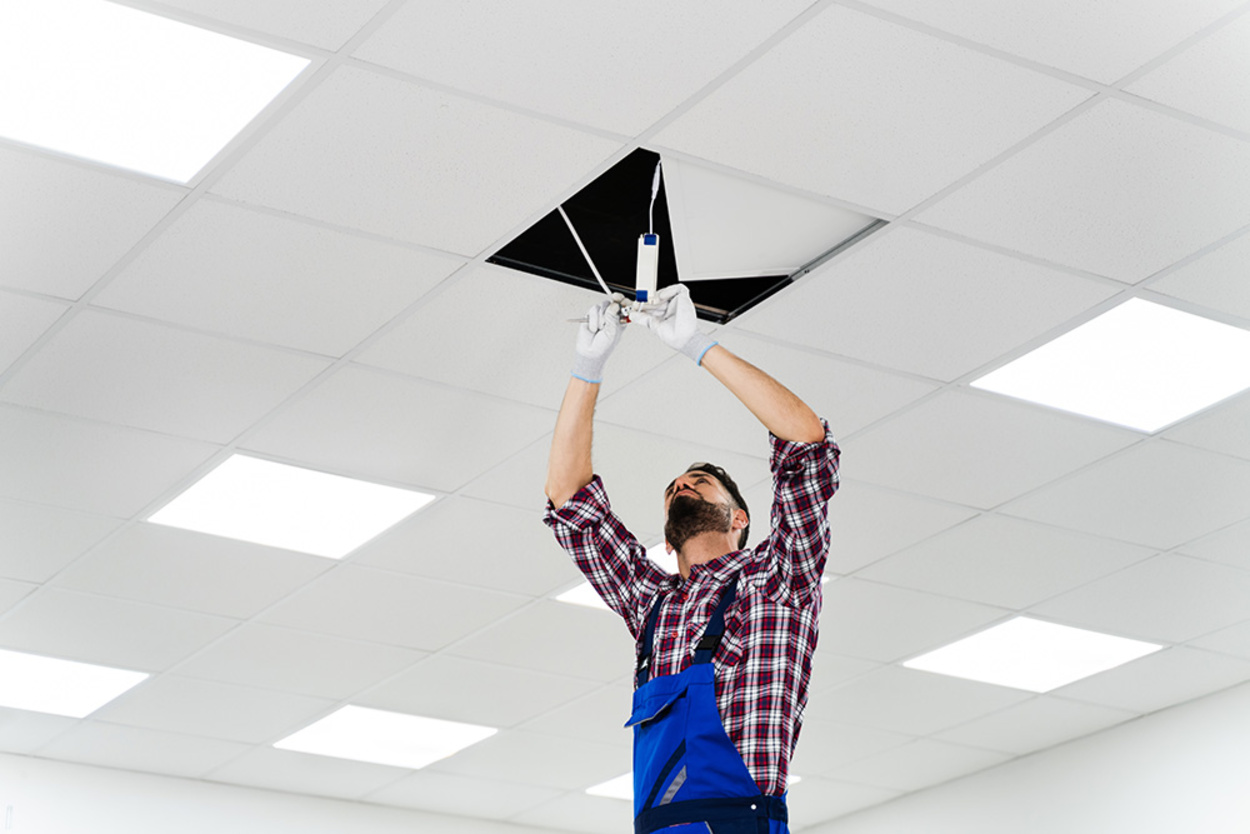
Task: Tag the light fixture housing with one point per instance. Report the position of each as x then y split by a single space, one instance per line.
60 687
1034 655
290 507
381 737
1141 365
127 88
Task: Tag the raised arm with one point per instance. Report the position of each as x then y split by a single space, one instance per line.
569 467
781 412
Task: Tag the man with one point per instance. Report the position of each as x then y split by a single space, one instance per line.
725 646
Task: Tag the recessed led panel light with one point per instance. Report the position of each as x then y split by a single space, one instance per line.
112 84
60 687
1030 654
584 595
1141 365
381 737
285 506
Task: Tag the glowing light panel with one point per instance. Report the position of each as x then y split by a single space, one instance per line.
381 737
127 88
60 687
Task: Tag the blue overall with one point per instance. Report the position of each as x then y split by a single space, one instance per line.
687 773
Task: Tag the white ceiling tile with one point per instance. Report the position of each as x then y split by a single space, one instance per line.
1160 680
22 321
916 703
456 689
213 710
599 717
445 793
83 466
1120 190
614 67
825 745
12 592
1103 40
25 732
509 550
105 631
824 799
284 770
580 812
147 376
1165 599
538 759
1003 561
1234 640
848 396
1220 429
1196 80
950 110
406 162
325 23
919 764
918 302
272 279
977 450
134 748
831 669
66 224
297 661
40 541
443 340
1041 722
1216 280
1230 546
1158 494
376 425
877 622
384 607
167 566
559 638
868 523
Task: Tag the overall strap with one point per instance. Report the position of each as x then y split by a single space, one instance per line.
707 645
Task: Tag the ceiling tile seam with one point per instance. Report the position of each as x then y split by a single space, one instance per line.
1036 260
1179 115
1196 255
84 164
337 228
1195 308
35 295
758 179
1003 156
735 69
976 46
1181 46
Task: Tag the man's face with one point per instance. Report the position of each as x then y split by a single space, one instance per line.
695 503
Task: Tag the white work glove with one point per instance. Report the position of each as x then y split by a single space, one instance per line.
674 320
596 337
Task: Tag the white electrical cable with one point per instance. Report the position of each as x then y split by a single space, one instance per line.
585 254
655 189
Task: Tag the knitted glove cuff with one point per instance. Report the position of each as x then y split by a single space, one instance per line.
697 345
589 368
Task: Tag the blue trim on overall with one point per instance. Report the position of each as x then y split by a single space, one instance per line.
687 773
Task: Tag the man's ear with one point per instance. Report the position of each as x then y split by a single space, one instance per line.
740 520
668 548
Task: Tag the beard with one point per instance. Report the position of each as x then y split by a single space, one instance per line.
689 515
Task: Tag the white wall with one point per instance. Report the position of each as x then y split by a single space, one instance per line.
1185 770
49 797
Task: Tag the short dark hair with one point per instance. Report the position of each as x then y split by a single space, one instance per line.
730 487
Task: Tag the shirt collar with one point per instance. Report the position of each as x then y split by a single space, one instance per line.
722 568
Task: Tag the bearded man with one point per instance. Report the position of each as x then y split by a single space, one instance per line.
724 647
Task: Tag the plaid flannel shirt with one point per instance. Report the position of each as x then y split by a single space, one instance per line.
763 664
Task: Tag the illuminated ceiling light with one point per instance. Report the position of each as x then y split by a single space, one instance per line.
1140 365
285 506
389 738
60 687
116 85
1030 654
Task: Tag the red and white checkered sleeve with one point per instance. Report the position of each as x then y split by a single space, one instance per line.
607 554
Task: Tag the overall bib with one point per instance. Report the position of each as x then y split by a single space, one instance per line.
687 773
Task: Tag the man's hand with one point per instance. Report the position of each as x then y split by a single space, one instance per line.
596 337
676 323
